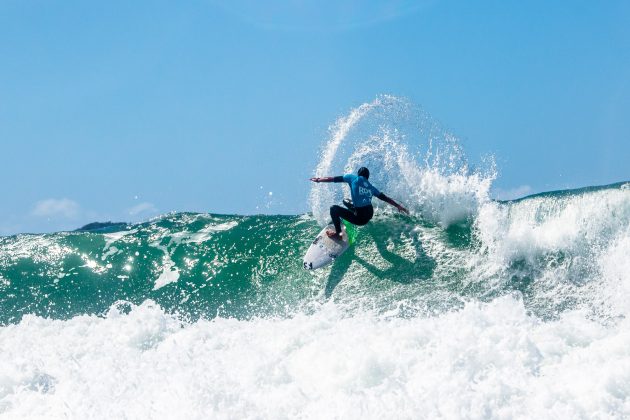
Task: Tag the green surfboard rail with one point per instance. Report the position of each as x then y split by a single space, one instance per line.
351 231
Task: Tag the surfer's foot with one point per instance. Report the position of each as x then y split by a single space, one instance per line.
333 235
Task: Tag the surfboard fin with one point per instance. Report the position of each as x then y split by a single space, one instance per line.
351 231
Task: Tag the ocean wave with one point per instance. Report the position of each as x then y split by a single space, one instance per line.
467 308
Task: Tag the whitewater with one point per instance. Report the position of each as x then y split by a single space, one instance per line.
470 308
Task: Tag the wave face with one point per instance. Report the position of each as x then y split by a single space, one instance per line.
469 308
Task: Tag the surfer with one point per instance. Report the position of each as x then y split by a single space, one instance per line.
359 211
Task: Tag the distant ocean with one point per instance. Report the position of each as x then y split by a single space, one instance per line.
469 308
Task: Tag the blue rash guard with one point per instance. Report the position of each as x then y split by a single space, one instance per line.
361 190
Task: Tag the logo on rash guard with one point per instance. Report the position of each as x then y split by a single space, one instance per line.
365 191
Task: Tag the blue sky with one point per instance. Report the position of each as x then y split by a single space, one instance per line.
122 110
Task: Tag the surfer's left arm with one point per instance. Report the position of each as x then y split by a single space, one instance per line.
393 203
328 179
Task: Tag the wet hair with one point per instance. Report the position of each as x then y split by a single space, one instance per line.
364 172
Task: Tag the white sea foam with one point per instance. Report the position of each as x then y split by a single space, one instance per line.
614 266
170 272
322 196
410 157
484 361
202 235
576 223
566 241
110 238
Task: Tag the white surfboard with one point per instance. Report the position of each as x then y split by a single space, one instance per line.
325 250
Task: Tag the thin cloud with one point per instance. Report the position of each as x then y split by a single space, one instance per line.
141 208
57 207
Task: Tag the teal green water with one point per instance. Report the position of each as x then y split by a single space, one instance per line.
228 265
70 273
201 265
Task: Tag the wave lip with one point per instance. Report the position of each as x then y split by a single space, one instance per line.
411 157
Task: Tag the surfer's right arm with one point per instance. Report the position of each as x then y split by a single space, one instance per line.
393 203
328 179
